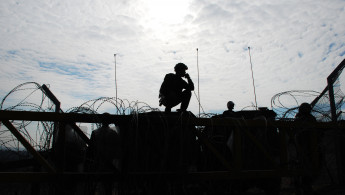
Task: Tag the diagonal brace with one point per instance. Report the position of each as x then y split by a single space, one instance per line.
28 146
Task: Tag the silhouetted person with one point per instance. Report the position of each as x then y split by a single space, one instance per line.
104 148
306 143
304 113
104 153
175 90
75 149
229 112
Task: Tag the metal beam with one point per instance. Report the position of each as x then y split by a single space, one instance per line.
170 176
56 177
62 117
98 118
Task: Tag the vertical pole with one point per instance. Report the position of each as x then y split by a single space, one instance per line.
117 109
331 100
330 81
197 64
251 67
339 157
338 143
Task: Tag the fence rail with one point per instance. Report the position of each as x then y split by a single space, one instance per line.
233 171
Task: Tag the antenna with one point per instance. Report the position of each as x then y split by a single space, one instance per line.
197 64
117 110
251 67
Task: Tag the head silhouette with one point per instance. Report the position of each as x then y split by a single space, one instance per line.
105 123
304 108
230 105
180 69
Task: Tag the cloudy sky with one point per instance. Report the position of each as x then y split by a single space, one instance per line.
70 45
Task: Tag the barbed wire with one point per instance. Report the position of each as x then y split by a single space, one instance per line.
286 104
30 96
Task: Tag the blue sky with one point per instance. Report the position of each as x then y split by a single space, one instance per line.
70 45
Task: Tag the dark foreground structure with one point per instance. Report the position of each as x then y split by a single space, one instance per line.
176 153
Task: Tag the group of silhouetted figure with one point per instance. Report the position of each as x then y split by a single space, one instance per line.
175 90
104 151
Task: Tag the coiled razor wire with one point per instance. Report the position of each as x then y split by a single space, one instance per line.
286 104
39 133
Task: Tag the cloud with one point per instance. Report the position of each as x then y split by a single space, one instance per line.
71 44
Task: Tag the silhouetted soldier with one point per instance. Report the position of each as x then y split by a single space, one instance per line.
104 148
304 113
229 112
306 142
175 90
103 153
